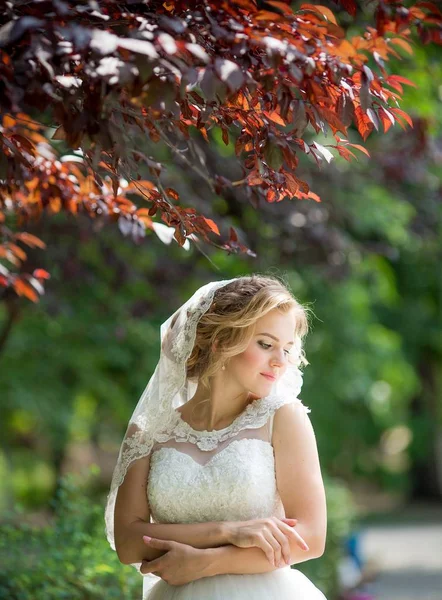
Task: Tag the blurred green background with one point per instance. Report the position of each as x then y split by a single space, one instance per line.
367 259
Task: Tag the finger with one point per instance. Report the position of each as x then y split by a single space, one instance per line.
259 541
276 547
290 522
144 565
281 538
299 539
155 543
149 566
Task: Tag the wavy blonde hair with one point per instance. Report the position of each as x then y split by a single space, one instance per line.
228 324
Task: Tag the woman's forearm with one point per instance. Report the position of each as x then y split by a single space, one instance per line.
132 549
234 560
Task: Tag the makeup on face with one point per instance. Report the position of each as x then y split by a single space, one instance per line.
267 355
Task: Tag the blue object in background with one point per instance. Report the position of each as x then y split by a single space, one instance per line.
353 547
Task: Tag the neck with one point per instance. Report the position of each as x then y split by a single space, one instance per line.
217 405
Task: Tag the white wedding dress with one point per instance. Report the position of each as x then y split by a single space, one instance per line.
221 475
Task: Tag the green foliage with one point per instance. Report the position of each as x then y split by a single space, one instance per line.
71 558
68 559
341 517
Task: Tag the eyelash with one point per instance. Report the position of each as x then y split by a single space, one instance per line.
267 346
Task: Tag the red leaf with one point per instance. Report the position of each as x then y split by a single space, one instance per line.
400 79
292 183
309 196
17 251
345 152
172 194
212 225
30 240
347 143
349 6
361 148
271 196
281 6
140 187
24 143
431 6
322 10
401 113
273 116
363 123
403 44
386 118
266 15
23 288
41 274
333 120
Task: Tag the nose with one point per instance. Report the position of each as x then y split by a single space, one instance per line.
278 358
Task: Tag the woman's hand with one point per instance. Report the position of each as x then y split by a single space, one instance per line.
270 534
180 564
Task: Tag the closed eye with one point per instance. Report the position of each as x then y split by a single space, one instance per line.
264 345
267 346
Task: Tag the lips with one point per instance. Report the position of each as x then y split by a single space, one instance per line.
269 376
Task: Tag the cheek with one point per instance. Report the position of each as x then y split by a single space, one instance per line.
252 358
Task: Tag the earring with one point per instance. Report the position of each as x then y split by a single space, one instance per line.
223 368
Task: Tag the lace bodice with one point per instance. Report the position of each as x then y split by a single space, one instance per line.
220 475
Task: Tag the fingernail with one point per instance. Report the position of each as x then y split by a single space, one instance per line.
306 547
146 538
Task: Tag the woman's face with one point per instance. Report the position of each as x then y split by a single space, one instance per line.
266 357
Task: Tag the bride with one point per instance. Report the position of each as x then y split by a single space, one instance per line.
217 490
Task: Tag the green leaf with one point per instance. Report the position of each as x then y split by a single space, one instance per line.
273 155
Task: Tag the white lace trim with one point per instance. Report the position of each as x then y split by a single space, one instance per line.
254 416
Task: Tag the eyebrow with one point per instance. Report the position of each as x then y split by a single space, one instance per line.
275 338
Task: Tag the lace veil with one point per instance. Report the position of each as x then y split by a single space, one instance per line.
169 388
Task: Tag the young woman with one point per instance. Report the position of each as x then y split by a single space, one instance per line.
217 489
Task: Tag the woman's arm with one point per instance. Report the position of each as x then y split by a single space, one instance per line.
132 521
199 535
230 559
298 474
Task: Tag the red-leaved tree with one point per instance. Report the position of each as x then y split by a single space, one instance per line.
131 86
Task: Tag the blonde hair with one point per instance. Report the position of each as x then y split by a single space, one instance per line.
228 324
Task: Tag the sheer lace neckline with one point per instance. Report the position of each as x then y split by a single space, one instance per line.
205 432
253 416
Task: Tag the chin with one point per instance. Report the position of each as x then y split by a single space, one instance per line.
262 391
